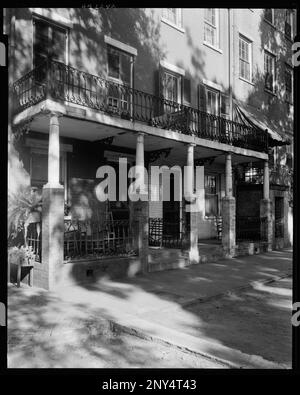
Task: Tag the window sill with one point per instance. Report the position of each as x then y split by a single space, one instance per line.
212 47
248 82
180 29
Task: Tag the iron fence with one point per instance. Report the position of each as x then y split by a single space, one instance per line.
96 239
61 82
34 239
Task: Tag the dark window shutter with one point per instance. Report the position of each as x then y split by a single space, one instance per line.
224 105
161 78
202 97
186 90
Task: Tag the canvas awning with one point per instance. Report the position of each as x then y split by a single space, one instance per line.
246 115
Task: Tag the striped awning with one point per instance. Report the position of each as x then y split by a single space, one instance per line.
257 120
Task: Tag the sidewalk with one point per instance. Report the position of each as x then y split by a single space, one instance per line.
227 311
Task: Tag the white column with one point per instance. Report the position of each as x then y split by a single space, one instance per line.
266 180
53 151
139 161
228 176
189 174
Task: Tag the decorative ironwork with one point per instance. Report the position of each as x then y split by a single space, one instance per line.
106 141
84 239
61 82
21 128
164 234
154 155
34 239
204 161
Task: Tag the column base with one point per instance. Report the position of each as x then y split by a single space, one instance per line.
266 227
47 274
139 227
228 226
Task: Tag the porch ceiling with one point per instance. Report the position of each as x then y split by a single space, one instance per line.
91 131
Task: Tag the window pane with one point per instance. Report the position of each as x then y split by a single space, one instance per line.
58 44
113 60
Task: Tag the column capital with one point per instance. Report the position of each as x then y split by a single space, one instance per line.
51 113
190 144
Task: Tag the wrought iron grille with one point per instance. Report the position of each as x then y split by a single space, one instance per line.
83 239
34 239
162 234
61 82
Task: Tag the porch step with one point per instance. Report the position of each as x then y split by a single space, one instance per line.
164 259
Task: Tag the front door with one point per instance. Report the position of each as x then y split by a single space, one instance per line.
171 218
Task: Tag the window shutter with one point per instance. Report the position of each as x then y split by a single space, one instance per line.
161 74
202 97
186 91
225 105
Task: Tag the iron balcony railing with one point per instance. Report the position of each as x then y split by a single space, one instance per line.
61 82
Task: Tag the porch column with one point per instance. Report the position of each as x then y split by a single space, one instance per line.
228 211
140 210
266 225
191 205
52 214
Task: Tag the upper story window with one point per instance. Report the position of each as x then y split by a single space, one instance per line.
213 101
269 15
119 65
50 42
173 16
245 55
211 27
269 67
288 84
171 86
119 70
288 26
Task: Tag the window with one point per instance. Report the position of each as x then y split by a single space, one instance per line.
171 86
269 15
119 65
253 175
211 33
212 101
211 196
269 71
245 55
288 84
288 27
173 15
118 70
49 42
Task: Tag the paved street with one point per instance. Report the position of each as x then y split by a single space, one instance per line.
233 313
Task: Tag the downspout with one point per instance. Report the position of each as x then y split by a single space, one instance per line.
230 69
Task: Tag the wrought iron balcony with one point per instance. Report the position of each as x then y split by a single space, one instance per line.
64 83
